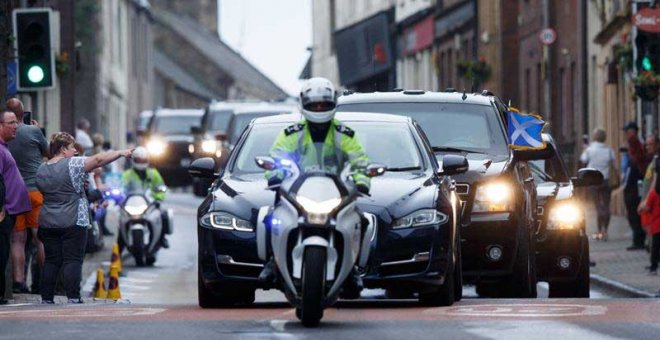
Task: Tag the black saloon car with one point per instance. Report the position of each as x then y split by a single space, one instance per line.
416 248
498 193
562 245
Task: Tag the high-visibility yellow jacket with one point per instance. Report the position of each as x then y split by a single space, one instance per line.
341 145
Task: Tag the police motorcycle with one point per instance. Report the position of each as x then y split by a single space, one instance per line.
143 225
315 234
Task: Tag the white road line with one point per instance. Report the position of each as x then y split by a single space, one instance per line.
500 329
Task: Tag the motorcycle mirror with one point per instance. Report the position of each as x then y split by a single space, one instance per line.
265 162
375 169
161 188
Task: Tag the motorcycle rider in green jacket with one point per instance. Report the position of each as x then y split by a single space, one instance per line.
141 177
320 141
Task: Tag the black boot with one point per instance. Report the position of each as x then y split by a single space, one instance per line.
352 287
164 242
268 272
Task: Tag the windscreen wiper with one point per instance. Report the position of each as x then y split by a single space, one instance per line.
453 149
408 168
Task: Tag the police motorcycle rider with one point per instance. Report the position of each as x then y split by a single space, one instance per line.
319 139
141 177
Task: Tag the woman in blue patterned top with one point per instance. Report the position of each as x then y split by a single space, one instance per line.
64 216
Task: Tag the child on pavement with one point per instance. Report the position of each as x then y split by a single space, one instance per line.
652 207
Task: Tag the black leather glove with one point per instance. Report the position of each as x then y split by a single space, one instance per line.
274 181
363 189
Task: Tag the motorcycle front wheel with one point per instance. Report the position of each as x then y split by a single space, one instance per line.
313 277
138 246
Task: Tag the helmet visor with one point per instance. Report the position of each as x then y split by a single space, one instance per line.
319 106
140 160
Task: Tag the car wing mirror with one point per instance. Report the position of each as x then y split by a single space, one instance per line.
375 169
454 165
587 177
203 168
531 155
265 162
221 137
196 130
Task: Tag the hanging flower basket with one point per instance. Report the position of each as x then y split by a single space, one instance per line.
477 72
647 85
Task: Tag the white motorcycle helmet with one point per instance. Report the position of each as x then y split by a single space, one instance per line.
140 158
318 99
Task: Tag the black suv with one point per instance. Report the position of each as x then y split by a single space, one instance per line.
562 244
498 216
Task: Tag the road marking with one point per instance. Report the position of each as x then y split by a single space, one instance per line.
278 325
531 330
80 312
521 310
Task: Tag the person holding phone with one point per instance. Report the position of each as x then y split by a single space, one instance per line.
28 149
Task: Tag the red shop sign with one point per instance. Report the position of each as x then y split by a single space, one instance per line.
648 20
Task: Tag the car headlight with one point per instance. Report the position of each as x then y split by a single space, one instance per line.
565 215
156 147
493 197
136 205
420 218
225 221
209 146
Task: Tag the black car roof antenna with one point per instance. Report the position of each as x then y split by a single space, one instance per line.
464 97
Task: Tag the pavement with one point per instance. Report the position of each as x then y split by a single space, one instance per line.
617 268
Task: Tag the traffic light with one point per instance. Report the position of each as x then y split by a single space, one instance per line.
648 52
36 61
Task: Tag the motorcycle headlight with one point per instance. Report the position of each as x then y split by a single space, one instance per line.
209 146
420 218
314 207
225 221
565 215
136 205
493 197
156 147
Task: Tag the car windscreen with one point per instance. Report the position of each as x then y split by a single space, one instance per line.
238 122
175 125
219 120
448 125
548 170
143 122
379 139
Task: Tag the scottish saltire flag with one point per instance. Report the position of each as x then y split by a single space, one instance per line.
525 130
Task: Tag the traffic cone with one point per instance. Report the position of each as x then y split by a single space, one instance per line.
113 286
99 286
115 260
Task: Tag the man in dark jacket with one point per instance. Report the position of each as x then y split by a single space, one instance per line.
637 162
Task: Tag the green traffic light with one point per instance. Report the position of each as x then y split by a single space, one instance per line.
35 74
646 63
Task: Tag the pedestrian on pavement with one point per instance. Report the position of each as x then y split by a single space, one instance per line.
600 156
82 136
633 171
5 234
64 216
652 206
651 145
16 199
29 149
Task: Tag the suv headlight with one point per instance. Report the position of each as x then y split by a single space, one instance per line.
225 221
493 197
209 146
156 147
565 215
420 218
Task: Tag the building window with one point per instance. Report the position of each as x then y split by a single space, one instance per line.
539 90
561 112
333 25
528 86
